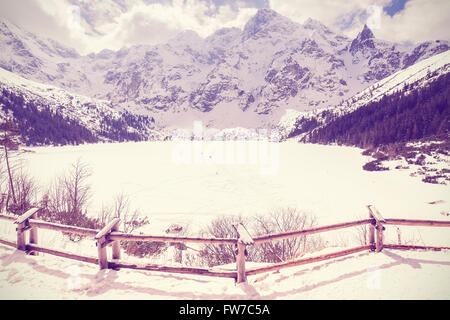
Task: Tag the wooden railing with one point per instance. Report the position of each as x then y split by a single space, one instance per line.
111 236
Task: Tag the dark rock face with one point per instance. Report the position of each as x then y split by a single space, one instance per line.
423 49
363 40
366 34
210 95
285 82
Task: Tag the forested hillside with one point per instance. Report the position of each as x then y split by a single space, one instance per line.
406 115
42 125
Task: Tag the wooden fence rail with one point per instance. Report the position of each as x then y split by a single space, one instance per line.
298 233
111 236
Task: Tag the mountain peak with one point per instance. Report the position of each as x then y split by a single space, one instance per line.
266 14
311 23
366 33
363 40
224 37
263 19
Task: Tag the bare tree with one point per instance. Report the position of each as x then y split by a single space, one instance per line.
76 188
3 188
10 141
67 198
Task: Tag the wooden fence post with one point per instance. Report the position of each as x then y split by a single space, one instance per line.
175 229
379 221
371 231
22 226
34 234
240 263
116 244
102 254
21 241
244 239
103 242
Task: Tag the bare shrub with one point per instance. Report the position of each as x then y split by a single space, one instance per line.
130 221
219 254
105 215
409 238
283 220
121 208
25 190
375 165
143 249
362 233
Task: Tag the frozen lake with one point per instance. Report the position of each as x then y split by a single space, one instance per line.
193 182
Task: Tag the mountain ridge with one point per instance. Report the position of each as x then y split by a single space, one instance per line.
254 74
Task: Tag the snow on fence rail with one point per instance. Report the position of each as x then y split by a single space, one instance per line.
111 236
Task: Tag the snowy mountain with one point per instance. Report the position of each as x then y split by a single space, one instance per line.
415 76
35 106
232 78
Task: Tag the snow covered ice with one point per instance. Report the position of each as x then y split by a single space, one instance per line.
327 181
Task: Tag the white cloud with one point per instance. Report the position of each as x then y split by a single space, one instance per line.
420 20
29 15
332 13
154 23
107 27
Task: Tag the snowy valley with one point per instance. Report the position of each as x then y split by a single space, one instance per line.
275 127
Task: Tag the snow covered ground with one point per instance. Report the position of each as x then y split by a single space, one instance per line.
185 182
386 275
190 183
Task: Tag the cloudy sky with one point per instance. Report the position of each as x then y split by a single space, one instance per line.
93 25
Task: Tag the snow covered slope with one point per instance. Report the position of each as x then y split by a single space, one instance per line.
416 75
89 113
